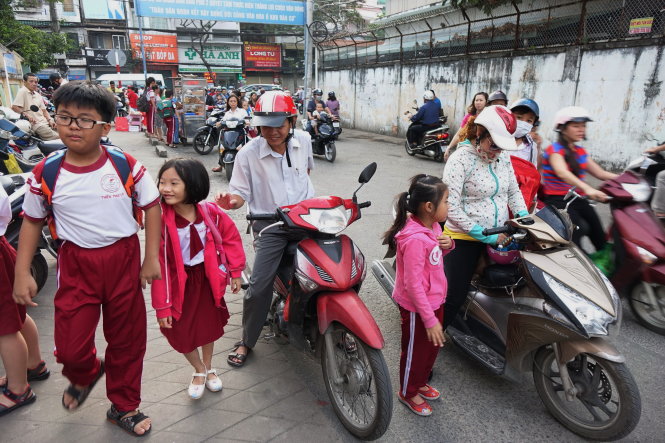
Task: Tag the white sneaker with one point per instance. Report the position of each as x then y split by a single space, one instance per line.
214 384
196 391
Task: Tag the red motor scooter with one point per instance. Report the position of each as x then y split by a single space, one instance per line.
639 248
320 312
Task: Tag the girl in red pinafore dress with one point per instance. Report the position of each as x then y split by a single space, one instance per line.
201 251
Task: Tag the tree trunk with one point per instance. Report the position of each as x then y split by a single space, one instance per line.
55 23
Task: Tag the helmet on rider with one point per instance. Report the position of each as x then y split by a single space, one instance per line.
570 114
272 108
54 76
497 95
501 124
526 104
428 95
317 92
331 95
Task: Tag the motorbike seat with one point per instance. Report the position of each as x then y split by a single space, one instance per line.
8 184
50 146
501 276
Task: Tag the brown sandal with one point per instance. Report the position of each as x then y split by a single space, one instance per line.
19 400
217 169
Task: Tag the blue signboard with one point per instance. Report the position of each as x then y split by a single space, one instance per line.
104 9
278 12
10 64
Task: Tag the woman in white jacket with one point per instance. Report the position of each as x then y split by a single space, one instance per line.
482 187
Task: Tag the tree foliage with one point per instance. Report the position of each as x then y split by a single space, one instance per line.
484 5
37 47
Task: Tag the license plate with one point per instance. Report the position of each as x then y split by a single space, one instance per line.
335 124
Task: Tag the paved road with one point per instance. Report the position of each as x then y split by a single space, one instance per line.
280 394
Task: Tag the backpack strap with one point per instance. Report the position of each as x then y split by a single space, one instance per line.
124 170
50 173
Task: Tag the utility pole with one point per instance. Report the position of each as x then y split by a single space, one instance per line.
309 14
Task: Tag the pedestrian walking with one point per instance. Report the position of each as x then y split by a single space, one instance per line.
420 285
201 254
94 198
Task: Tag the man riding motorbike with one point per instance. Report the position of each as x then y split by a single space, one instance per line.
425 119
40 121
271 171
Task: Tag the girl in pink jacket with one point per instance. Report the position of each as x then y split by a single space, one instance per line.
420 285
201 251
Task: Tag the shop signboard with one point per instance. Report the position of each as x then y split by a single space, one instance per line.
278 12
103 9
159 48
218 55
262 57
641 25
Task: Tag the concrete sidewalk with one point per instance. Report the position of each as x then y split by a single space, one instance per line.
268 400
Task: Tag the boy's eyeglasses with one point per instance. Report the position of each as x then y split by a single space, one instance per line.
83 123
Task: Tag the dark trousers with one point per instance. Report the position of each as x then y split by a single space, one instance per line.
256 303
585 217
416 132
418 353
459 265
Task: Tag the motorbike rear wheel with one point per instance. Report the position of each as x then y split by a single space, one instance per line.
39 270
362 400
200 144
409 151
607 405
649 312
330 151
228 168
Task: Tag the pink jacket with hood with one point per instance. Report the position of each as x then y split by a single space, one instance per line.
169 292
420 284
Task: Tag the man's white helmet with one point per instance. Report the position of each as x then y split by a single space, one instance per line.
428 95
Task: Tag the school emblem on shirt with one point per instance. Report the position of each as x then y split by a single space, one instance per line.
110 183
435 256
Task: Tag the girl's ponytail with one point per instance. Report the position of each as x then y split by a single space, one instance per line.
401 209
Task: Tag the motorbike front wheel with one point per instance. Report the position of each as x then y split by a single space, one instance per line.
39 270
228 168
330 151
607 405
647 302
362 396
408 148
203 143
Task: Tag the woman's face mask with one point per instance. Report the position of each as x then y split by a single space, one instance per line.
523 128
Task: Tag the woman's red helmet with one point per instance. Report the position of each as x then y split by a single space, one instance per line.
272 108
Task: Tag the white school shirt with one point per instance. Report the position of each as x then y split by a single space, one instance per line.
238 114
5 211
90 204
264 179
185 240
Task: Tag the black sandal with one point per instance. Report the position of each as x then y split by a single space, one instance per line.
81 395
40 372
127 424
19 400
234 355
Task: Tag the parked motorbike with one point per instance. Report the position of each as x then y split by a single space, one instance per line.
208 136
14 186
638 240
550 312
324 142
316 306
233 136
434 141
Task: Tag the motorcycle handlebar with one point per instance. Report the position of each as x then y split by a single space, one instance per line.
499 230
268 217
364 205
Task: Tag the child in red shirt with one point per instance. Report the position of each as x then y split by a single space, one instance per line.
200 248
99 267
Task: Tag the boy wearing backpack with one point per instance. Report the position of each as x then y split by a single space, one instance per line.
84 192
166 111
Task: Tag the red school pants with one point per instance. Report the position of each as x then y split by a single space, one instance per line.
418 353
170 128
103 280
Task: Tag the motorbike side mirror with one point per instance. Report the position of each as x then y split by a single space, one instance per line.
367 173
415 102
34 108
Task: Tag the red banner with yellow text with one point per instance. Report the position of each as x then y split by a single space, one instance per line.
159 48
262 57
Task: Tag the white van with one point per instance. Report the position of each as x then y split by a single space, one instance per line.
128 79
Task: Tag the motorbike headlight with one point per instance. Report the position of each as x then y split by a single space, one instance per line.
5 134
306 283
211 121
616 301
328 221
640 191
231 124
593 319
646 256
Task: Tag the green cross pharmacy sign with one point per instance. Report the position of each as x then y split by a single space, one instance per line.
223 57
